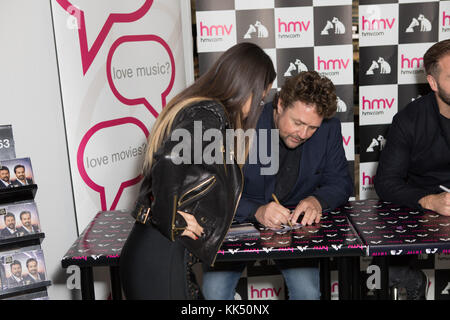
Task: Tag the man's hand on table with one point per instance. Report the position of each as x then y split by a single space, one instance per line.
439 203
312 209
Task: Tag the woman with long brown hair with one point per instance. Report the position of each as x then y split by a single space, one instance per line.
184 208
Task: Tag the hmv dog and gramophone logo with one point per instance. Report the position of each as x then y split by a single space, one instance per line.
418 22
292 61
344 102
378 65
332 25
373 139
256 26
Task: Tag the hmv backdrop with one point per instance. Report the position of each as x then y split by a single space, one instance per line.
299 35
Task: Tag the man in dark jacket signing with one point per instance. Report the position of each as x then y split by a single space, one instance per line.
313 176
414 166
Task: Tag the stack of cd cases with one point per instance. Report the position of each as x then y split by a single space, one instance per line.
23 274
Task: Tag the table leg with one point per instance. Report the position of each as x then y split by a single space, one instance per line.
116 288
325 279
356 287
87 283
345 282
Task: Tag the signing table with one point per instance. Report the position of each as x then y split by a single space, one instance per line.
333 237
100 245
390 230
359 228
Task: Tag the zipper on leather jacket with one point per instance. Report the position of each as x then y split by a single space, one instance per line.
224 157
234 213
172 234
182 201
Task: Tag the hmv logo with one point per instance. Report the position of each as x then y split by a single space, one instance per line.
335 290
411 63
332 64
264 293
215 30
411 66
293 26
367 179
346 140
376 24
377 103
445 19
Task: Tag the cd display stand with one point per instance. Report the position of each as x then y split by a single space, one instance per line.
22 265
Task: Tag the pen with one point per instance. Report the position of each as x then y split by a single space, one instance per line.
278 202
444 188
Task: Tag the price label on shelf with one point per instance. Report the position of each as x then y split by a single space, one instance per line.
7 150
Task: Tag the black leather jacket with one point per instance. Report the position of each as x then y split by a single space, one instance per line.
211 192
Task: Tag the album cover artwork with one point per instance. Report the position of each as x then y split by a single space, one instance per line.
243 230
19 219
16 173
22 269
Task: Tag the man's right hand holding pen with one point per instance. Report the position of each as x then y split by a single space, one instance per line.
273 214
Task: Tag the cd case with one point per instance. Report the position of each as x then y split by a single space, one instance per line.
243 230
285 227
41 295
21 269
16 173
19 219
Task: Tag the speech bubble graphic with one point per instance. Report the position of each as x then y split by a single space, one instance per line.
141 69
105 151
88 54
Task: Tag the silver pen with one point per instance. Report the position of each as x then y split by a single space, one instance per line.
444 188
